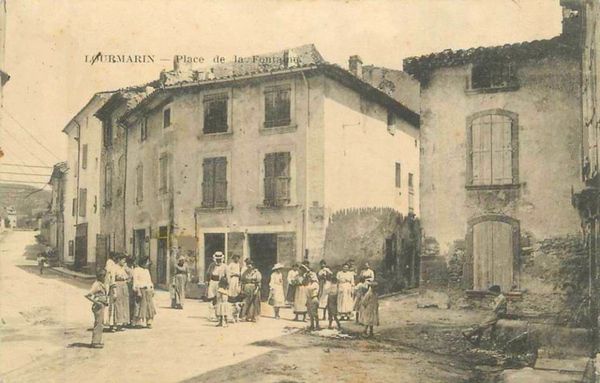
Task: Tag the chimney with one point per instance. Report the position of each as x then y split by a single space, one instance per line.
355 65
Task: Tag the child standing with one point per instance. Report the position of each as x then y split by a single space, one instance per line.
312 300
332 301
359 292
369 309
223 308
98 295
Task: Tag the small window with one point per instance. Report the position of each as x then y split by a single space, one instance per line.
144 129
410 181
164 174
493 75
166 117
74 207
277 106
214 182
84 156
215 114
108 185
107 132
139 184
82 202
411 194
277 179
398 175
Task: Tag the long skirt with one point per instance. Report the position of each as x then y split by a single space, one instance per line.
291 291
276 299
121 303
179 281
211 293
345 301
323 293
234 286
146 311
251 302
133 303
357 299
300 300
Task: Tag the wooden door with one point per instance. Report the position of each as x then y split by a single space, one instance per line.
493 255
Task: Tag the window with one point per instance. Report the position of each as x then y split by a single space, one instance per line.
215 114
107 132
277 179
164 174
82 202
493 149
144 129
277 106
139 183
166 117
411 194
74 207
214 182
493 75
108 185
398 175
84 156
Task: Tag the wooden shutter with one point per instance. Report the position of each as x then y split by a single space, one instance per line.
220 180
82 202
501 150
282 174
502 253
481 130
270 179
398 175
482 255
208 182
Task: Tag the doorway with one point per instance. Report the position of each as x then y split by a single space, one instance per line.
139 243
263 251
81 247
162 255
493 254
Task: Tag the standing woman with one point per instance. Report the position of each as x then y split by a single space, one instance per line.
369 309
292 281
217 270
129 267
367 273
109 282
235 273
251 279
300 295
324 276
276 297
179 282
144 288
121 294
345 285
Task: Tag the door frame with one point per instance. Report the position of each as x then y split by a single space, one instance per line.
468 268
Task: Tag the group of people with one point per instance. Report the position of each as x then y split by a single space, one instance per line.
338 295
125 288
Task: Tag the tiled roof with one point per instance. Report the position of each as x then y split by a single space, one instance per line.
421 66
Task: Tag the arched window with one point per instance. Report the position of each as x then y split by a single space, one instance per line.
492 148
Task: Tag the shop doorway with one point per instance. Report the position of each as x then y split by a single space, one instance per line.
263 251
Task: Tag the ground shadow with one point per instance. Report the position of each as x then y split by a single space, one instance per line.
79 345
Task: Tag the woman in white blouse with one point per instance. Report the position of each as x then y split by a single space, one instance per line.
144 290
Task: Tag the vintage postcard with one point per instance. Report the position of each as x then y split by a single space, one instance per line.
299 191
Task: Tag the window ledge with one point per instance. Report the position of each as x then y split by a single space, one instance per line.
268 207
508 88
215 136
278 129
222 209
493 187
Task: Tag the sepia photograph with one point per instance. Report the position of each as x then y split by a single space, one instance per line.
299 191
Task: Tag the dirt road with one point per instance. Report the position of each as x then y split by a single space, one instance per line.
45 322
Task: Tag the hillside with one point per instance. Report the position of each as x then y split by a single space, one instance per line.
21 198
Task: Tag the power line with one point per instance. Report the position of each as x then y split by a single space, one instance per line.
21 182
26 174
22 145
28 132
18 158
27 166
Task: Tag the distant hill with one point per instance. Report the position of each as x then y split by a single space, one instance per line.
26 204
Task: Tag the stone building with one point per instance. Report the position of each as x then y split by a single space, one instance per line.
55 216
83 185
500 151
254 157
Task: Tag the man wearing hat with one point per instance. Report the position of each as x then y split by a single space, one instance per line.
251 279
499 310
216 271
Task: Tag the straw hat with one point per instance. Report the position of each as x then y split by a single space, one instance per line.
277 266
218 255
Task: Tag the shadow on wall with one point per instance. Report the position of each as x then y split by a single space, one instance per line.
380 236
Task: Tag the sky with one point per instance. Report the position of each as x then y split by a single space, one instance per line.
48 40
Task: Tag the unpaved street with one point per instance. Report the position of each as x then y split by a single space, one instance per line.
45 323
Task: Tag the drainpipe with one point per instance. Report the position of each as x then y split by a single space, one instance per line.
306 178
77 191
125 191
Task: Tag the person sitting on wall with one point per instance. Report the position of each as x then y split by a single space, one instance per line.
499 311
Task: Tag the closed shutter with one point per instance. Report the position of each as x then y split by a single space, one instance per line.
82 202
492 255
220 179
482 253
502 266
282 172
84 156
502 150
208 182
270 179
